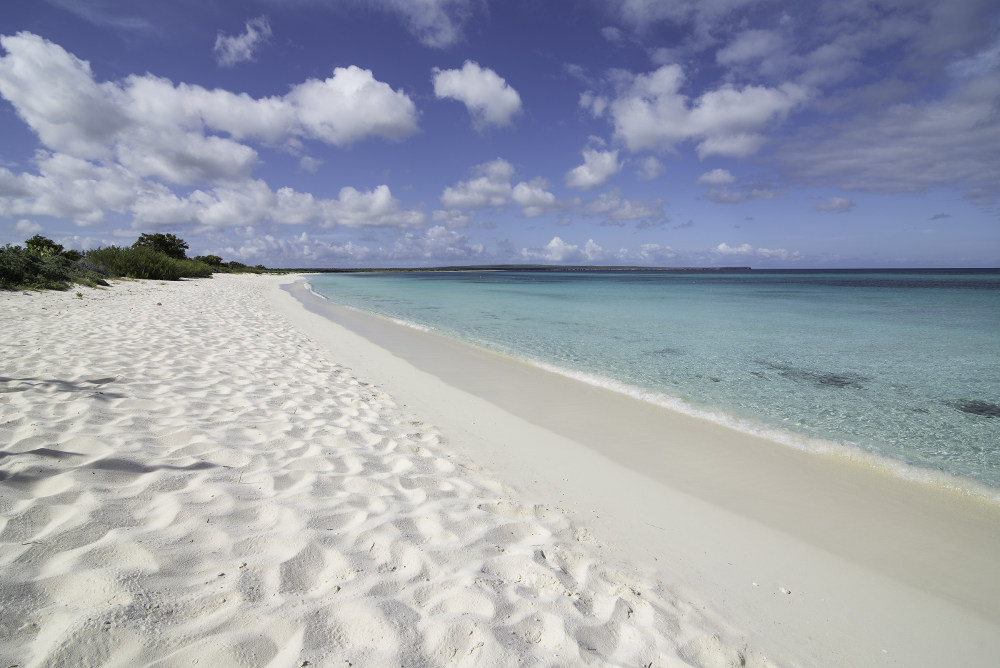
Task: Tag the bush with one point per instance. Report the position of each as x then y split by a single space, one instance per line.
42 246
167 244
144 262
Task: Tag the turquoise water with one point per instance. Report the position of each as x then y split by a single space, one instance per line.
901 365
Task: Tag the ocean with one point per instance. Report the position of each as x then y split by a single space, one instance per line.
896 367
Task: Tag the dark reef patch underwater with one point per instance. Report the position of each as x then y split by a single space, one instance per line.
976 407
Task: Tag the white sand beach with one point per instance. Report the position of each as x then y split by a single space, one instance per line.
207 472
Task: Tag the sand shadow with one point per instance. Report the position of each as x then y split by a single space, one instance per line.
56 385
113 464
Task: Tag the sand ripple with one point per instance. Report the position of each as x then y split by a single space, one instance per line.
185 478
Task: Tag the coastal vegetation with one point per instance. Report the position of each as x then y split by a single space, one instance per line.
42 264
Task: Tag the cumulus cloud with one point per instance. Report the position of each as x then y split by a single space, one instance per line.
165 131
488 97
835 204
298 250
374 208
650 168
558 251
597 169
27 227
726 249
534 198
230 50
746 249
614 210
436 243
68 187
253 202
55 93
717 177
651 113
492 188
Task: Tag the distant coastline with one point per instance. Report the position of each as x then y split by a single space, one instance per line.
510 267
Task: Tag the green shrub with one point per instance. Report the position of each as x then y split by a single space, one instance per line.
42 246
22 268
144 262
167 244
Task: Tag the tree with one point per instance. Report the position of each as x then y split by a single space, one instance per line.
167 244
211 260
41 246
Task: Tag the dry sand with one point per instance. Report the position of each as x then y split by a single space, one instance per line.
205 472
187 479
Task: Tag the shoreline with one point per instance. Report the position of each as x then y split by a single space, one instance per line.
855 454
933 552
207 470
187 477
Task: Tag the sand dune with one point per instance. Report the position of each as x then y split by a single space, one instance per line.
187 479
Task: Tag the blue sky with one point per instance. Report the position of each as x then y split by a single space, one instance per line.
350 133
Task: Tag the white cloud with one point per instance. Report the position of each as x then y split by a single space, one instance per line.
488 97
908 147
613 35
654 254
726 249
750 45
597 169
726 196
748 250
299 250
28 227
239 48
558 251
492 189
252 202
68 187
835 204
436 243
717 177
534 199
375 208
436 23
650 168
55 93
613 210
451 218
162 130
309 164
652 114
351 105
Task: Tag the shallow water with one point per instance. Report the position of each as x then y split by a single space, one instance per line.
904 365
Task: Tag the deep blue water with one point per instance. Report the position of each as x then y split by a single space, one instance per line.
900 364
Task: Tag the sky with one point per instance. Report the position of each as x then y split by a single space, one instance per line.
378 133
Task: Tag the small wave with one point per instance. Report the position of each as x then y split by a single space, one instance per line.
412 325
849 451
852 452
